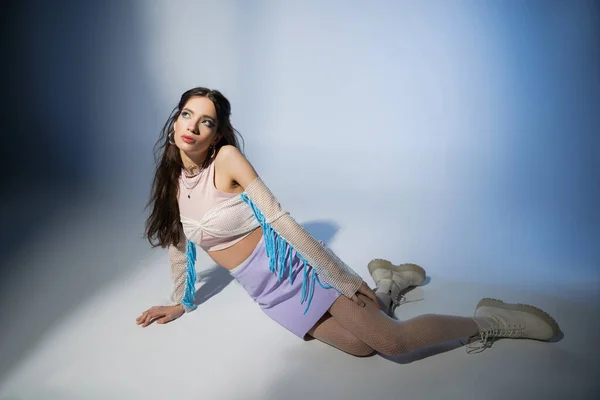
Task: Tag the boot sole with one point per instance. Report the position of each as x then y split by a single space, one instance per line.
385 264
489 302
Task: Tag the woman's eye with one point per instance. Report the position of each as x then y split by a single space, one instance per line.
185 114
208 123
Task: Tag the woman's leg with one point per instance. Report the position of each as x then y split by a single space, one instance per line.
329 331
392 337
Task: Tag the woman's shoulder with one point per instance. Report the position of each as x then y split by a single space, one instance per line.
232 162
229 151
229 155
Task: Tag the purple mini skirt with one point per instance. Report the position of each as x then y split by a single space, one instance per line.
285 302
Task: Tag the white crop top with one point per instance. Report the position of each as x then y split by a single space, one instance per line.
212 219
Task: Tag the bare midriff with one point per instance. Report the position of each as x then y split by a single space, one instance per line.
233 256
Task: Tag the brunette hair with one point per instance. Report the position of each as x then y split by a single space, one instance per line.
163 226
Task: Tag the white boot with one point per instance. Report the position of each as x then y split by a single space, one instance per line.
393 280
497 319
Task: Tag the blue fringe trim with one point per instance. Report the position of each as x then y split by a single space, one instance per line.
190 282
281 256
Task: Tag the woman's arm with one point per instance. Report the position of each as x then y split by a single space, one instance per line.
325 263
180 302
183 284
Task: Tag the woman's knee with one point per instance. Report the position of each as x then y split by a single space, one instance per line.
359 348
348 343
394 348
393 345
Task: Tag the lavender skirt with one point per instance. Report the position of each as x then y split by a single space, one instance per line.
284 302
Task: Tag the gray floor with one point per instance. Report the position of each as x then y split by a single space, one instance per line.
75 290
461 136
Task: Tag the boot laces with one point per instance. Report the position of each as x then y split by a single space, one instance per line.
400 299
488 336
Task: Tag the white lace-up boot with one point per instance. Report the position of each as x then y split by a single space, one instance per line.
392 281
497 319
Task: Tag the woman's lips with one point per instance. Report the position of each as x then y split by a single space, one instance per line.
188 139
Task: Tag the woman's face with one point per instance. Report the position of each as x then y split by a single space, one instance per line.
196 126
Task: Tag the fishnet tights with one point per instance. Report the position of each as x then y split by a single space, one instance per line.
360 330
329 331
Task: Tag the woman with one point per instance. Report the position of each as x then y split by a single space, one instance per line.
206 193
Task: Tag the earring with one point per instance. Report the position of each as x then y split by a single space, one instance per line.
171 134
214 150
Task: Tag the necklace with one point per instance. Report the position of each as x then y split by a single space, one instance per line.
194 184
189 170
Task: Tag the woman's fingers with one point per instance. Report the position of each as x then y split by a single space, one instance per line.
165 319
142 317
365 290
371 295
146 320
158 314
152 316
149 319
358 301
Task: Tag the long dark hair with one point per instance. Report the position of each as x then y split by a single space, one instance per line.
163 226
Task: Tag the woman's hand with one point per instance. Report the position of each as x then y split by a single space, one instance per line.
160 314
365 290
